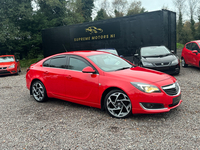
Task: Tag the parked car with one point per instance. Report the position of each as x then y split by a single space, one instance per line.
158 58
110 50
191 54
9 65
103 80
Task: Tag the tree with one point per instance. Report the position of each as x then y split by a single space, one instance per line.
87 6
54 10
14 14
192 8
198 27
101 14
179 4
119 7
135 8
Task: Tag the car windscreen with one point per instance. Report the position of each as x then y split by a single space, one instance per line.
7 59
109 50
109 62
154 51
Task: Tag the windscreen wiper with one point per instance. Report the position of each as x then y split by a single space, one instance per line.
123 68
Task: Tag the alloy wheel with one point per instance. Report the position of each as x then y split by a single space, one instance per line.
118 104
38 91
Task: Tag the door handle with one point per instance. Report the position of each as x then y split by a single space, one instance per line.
46 72
69 76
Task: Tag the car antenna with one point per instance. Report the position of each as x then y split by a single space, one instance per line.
64 47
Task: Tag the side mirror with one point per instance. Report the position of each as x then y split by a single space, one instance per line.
17 60
195 51
88 69
172 51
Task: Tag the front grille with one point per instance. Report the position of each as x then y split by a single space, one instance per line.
3 68
2 72
162 64
172 89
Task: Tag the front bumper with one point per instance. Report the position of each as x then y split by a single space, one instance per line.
8 71
167 69
161 101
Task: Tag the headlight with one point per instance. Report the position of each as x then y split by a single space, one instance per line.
147 64
147 88
175 62
12 66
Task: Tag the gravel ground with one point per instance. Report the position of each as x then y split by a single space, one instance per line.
56 124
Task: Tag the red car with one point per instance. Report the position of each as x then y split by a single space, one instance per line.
103 80
191 54
9 65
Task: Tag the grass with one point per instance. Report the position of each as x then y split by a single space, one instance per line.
179 46
25 63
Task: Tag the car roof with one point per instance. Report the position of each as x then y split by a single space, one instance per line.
82 53
153 46
197 41
6 55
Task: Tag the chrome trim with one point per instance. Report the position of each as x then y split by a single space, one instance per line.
170 87
151 109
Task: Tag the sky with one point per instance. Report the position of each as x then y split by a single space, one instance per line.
152 5
149 5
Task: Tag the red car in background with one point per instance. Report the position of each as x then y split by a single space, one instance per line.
103 80
9 65
191 54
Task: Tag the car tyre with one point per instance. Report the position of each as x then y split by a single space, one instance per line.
38 91
183 64
118 104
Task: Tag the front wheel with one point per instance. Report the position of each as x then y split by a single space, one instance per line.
118 104
39 92
183 64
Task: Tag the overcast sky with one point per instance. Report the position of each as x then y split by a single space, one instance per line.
152 5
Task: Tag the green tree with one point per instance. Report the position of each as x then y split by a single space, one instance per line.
198 30
87 6
101 14
13 14
192 27
54 10
180 29
136 8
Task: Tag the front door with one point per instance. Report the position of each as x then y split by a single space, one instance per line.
82 87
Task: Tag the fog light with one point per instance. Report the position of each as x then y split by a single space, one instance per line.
152 105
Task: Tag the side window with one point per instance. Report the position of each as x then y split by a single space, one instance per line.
77 64
47 63
195 46
59 62
188 46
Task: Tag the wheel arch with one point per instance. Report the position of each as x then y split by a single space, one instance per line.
105 93
36 79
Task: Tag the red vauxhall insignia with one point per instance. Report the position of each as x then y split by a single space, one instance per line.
9 65
103 80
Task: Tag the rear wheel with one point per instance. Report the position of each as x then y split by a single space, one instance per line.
118 104
39 92
183 64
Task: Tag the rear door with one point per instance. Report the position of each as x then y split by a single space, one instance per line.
54 71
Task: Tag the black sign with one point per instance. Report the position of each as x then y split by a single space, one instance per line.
95 32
